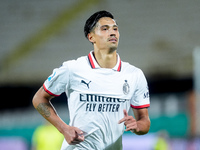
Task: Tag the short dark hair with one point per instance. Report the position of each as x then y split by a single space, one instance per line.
92 20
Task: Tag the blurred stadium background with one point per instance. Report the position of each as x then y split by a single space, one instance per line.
160 37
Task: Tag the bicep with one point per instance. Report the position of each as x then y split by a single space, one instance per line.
42 96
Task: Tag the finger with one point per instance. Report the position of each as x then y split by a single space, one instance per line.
122 120
78 131
125 113
130 128
75 142
133 130
125 117
81 138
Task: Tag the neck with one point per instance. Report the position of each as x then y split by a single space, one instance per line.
106 59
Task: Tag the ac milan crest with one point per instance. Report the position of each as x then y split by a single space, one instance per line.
126 87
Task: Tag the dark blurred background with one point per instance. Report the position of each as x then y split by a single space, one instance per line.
160 37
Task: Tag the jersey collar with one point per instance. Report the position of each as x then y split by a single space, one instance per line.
95 65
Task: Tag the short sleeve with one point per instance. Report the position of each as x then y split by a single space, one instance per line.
57 82
141 98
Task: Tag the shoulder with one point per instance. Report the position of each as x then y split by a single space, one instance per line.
75 62
78 64
127 67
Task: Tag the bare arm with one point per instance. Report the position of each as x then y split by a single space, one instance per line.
143 121
42 103
140 125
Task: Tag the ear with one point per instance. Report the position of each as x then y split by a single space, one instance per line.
91 37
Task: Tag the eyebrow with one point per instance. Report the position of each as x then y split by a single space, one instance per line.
108 26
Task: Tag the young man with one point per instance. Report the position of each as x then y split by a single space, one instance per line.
100 90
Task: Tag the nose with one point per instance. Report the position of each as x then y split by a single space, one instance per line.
112 33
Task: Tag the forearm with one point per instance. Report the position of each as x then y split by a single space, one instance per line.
143 126
142 120
43 105
49 113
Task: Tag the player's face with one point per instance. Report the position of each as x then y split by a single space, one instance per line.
106 34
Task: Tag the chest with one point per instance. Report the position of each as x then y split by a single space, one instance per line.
104 82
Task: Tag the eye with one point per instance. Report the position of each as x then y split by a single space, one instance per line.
104 29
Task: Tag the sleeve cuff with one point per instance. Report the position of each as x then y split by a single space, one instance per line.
52 94
141 106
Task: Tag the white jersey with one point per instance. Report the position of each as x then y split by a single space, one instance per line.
97 97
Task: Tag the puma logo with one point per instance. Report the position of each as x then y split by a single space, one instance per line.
82 81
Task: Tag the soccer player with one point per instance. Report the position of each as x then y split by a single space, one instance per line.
101 89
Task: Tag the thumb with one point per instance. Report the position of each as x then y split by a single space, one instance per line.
125 113
80 135
78 131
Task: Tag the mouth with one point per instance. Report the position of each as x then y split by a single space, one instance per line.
112 39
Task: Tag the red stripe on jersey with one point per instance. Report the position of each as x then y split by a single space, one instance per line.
120 64
93 65
49 91
91 61
142 106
